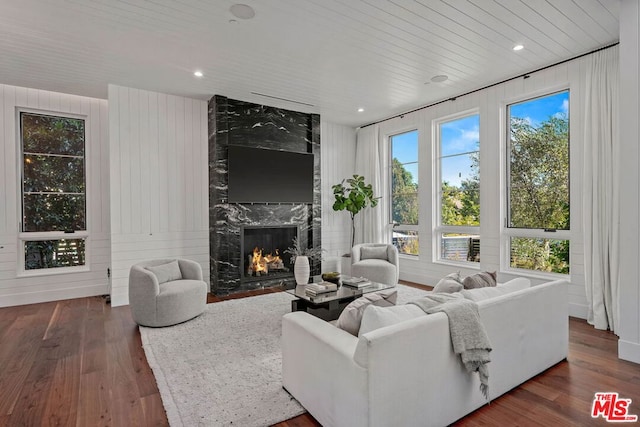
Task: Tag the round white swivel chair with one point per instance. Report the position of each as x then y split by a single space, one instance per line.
165 292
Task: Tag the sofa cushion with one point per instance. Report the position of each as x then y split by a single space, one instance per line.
449 284
351 316
376 317
480 294
480 280
373 252
166 272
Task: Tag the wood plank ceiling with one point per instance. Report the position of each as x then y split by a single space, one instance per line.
329 56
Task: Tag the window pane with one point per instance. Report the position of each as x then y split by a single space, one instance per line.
404 147
539 163
460 135
405 208
406 241
52 134
53 212
460 247
550 255
460 171
54 253
404 178
53 174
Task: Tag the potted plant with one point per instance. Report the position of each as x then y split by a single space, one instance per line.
353 197
300 258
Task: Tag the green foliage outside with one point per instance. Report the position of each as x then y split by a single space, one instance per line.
539 192
404 208
461 205
53 188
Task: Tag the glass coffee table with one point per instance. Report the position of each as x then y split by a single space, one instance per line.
329 305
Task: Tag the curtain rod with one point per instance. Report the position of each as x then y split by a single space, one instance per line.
525 76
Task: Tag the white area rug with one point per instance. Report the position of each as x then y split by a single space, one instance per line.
225 367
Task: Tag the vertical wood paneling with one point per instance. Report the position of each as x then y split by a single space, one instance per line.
629 331
15 289
161 205
338 162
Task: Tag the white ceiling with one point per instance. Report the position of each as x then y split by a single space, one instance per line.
335 55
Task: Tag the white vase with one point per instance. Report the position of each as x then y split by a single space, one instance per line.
301 270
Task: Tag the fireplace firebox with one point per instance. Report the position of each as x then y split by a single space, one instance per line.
263 251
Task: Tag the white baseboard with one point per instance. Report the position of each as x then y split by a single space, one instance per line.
418 278
119 296
629 351
53 295
578 310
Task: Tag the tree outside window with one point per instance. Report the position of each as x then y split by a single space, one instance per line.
458 227
53 190
404 191
538 184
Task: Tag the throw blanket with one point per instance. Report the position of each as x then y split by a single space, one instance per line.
468 335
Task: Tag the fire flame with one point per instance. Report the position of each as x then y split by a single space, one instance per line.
260 263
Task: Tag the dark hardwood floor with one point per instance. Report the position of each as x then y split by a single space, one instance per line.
80 363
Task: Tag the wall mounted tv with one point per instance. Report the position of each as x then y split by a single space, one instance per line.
259 175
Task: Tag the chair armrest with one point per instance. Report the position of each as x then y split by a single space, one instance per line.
143 284
190 269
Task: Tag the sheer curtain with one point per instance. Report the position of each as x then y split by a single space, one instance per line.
601 189
369 163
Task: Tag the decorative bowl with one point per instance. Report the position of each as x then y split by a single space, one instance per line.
333 277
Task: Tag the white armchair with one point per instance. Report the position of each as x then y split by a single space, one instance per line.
377 262
165 292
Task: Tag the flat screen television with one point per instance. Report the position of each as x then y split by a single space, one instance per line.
259 175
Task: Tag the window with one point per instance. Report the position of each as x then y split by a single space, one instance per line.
538 219
458 225
404 191
53 228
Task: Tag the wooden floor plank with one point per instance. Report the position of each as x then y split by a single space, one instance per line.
80 362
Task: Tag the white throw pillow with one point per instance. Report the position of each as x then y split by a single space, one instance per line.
480 294
373 252
378 317
166 272
351 316
449 284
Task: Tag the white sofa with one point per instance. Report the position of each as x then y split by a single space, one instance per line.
407 374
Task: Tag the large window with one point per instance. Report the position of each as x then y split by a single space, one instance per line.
404 191
538 219
53 227
458 225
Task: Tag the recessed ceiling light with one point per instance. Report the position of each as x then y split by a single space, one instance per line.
518 47
360 110
242 11
439 78
198 73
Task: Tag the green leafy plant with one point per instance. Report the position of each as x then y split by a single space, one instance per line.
353 195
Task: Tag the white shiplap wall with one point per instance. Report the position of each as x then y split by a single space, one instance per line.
159 181
491 105
338 148
629 287
16 290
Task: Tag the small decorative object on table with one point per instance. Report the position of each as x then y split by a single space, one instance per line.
320 288
333 277
356 282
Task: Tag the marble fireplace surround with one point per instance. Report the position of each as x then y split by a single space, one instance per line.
252 125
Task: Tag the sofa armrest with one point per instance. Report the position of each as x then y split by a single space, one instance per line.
319 371
190 270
